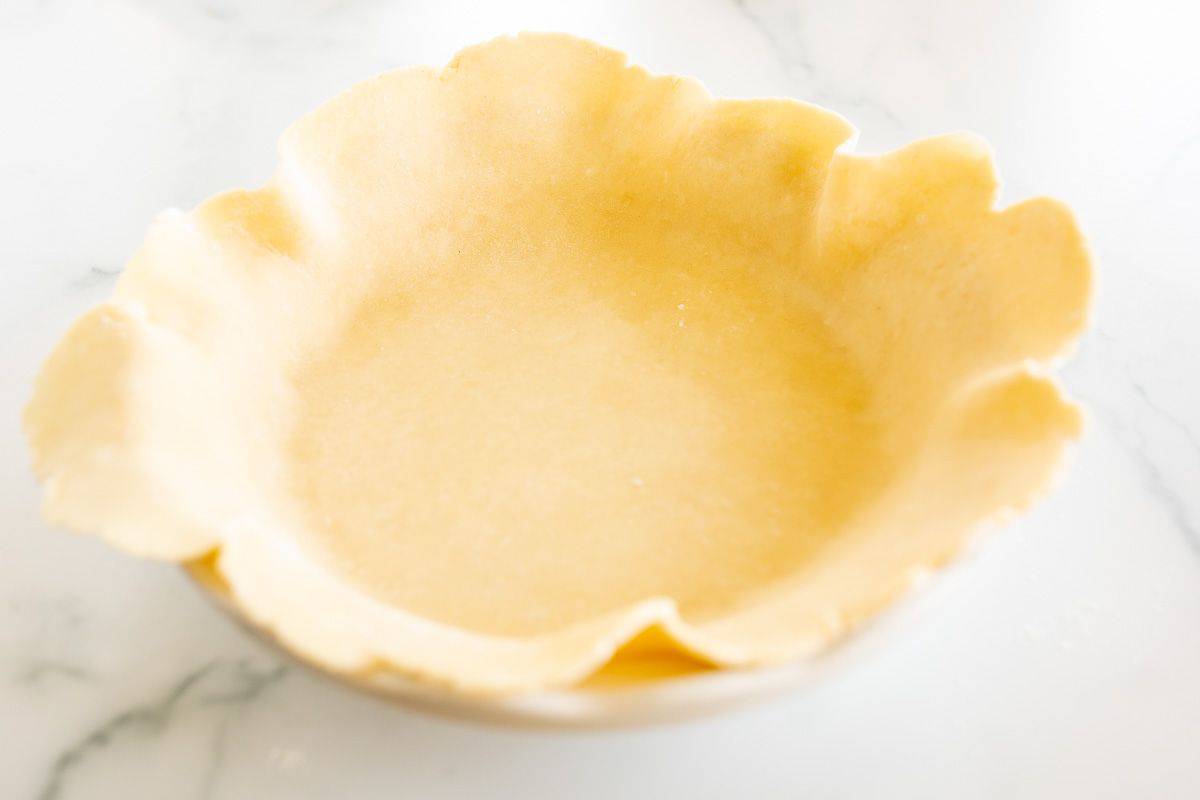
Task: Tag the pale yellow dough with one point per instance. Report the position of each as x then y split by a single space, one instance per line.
517 359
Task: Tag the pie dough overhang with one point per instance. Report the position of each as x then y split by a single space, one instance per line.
165 421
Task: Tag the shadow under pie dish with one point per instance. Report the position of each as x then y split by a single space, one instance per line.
537 358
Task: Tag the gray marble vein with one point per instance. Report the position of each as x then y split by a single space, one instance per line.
216 760
42 671
244 684
94 276
782 36
213 684
1133 442
1156 482
1130 426
782 29
1156 477
1176 155
1181 427
149 719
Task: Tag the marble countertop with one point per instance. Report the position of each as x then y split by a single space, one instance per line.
1060 662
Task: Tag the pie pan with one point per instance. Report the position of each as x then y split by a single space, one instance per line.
645 684
538 363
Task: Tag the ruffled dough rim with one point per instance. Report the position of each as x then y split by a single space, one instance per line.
109 477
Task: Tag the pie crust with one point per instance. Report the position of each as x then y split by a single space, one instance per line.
521 360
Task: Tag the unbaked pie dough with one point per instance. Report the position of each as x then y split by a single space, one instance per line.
517 361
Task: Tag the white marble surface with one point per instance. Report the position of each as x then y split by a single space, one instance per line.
1063 661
